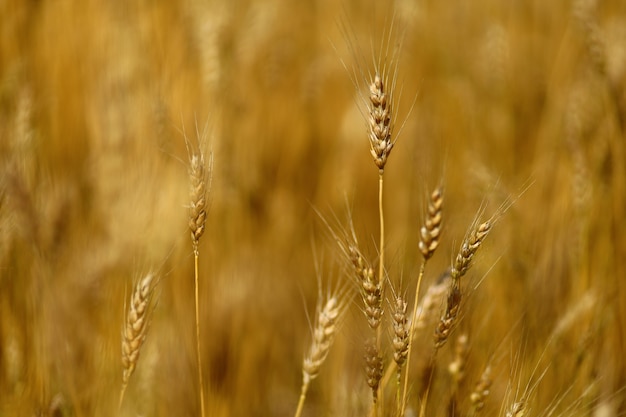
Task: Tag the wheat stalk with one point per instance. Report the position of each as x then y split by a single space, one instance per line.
381 127
429 240
136 328
199 180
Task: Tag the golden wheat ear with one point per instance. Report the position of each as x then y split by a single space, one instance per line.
324 331
198 179
136 327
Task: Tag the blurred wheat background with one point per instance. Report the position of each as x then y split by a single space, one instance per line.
521 101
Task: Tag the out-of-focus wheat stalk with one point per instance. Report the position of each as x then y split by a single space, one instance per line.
135 329
481 390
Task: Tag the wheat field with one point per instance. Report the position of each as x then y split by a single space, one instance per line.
262 129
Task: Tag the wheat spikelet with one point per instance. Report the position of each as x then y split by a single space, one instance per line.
136 328
481 390
518 409
448 320
462 264
198 195
371 293
380 122
469 248
373 367
370 288
400 331
323 336
583 13
456 368
424 315
400 342
430 232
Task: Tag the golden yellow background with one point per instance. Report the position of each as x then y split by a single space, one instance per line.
519 101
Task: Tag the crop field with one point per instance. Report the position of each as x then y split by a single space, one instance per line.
313 208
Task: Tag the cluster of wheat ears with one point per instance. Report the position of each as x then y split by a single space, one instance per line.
491 287
385 309
393 324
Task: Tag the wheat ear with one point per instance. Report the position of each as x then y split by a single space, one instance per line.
381 127
136 328
481 391
380 122
370 288
457 369
401 332
323 337
462 264
425 314
199 175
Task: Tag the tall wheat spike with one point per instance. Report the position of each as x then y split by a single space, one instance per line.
199 176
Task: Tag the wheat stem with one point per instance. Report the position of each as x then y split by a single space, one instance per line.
200 381
411 334
381 266
305 388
